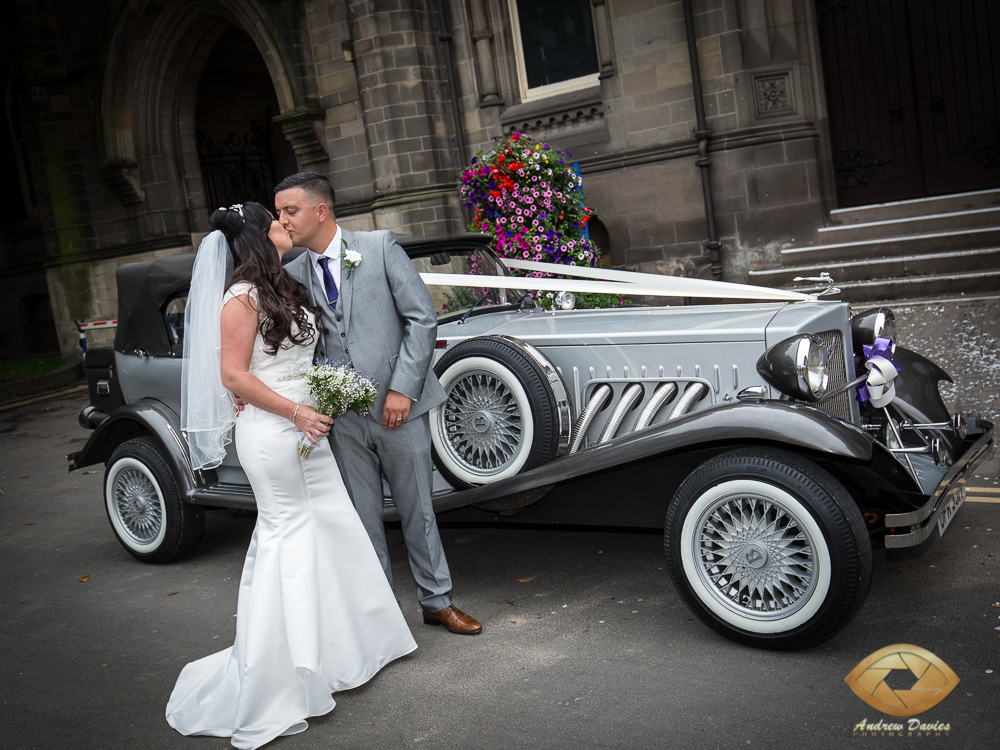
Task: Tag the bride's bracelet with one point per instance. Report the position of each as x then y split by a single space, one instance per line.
295 413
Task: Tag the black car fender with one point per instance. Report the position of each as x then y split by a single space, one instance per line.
919 400
917 386
145 417
792 425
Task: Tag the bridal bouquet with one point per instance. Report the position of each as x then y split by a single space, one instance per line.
337 387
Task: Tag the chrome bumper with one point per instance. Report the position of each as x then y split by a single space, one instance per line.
914 527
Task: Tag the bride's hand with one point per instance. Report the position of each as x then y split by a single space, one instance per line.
313 424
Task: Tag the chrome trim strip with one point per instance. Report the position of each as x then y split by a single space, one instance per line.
563 411
226 495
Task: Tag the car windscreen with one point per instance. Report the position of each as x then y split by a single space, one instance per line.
471 262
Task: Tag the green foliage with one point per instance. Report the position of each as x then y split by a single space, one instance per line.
18 369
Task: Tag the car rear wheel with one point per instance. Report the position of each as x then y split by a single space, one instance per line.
768 549
500 418
144 504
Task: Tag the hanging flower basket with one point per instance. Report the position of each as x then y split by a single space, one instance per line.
527 197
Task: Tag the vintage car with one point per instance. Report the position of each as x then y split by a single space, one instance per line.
774 482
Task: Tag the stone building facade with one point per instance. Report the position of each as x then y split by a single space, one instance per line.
124 121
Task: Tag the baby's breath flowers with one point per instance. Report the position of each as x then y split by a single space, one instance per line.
530 201
337 388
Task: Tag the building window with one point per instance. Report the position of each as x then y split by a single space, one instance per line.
555 46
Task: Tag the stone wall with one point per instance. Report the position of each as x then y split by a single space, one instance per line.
362 93
65 283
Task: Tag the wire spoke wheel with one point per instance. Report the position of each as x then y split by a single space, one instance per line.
768 549
144 504
138 504
756 556
483 422
501 413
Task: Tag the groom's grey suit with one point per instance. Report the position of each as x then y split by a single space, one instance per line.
384 322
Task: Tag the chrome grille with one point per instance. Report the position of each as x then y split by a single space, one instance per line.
840 405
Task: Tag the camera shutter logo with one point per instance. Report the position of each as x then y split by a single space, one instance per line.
933 680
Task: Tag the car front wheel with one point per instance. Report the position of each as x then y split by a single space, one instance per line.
768 549
144 505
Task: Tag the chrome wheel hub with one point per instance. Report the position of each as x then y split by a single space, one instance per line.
755 557
137 505
482 422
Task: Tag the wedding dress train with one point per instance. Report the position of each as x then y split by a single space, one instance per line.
315 613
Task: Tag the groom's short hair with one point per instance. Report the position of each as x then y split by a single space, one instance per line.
313 183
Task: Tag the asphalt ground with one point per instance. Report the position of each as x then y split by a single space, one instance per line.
586 643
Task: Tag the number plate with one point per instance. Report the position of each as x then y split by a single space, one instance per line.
955 501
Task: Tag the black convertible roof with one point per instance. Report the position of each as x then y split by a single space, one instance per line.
144 288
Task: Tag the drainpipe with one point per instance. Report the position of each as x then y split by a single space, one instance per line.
702 133
445 38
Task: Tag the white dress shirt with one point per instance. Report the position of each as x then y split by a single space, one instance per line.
333 251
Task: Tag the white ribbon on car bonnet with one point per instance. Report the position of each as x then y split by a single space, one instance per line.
605 281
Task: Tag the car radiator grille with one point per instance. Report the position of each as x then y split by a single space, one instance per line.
839 405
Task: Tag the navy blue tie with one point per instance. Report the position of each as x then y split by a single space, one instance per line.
328 282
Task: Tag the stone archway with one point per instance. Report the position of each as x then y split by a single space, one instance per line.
241 152
154 64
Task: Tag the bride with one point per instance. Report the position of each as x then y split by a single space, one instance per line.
315 613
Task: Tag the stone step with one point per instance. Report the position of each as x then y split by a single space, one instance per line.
914 287
967 239
962 261
930 224
917 207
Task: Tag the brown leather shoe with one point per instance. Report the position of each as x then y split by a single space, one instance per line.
454 619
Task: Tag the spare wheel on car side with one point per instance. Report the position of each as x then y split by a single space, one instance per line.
506 411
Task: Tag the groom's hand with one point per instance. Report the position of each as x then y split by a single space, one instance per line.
396 410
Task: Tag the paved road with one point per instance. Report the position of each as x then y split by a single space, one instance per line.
597 651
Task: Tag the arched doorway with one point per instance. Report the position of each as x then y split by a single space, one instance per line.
241 153
215 66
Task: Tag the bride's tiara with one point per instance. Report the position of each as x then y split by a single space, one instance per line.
237 207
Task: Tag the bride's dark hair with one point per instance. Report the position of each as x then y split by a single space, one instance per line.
280 297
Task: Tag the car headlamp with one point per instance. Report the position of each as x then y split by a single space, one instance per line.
879 322
797 367
564 301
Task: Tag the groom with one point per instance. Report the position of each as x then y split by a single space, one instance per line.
378 314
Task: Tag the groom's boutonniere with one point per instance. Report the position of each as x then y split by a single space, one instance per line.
352 259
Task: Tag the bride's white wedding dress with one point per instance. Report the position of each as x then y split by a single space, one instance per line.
315 614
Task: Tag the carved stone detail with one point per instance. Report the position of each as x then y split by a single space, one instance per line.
300 130
602 37
489 95
773 94
556 121
123 179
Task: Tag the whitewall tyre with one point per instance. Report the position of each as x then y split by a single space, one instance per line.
499 418
768 549
144 505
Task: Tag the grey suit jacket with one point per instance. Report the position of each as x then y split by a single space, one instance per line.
388 318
